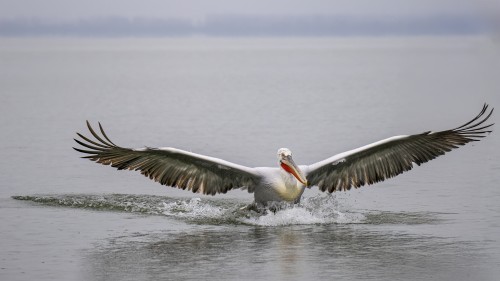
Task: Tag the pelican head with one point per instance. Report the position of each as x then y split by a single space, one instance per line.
286 162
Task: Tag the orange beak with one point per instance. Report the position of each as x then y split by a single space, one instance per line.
288 165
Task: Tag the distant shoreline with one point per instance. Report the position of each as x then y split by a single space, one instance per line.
249 26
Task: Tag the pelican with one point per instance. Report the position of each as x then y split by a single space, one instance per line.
366 165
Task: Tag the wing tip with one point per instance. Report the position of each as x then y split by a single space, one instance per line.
473 130
105 143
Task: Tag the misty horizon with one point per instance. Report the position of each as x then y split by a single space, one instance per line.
249 25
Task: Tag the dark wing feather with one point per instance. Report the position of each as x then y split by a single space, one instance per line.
170 166
393 156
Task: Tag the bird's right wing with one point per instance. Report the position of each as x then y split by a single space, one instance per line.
170 166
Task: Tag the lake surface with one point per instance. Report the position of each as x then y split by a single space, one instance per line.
66 218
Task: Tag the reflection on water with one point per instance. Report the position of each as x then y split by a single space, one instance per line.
254 252
317 237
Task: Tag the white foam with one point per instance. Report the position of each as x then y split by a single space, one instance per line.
314 210
292 216
320 209
192 208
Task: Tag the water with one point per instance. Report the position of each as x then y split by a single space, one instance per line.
241 100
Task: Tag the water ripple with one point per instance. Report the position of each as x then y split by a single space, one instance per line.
320 209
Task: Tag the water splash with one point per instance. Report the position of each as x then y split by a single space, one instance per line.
320 209
195 210
105 202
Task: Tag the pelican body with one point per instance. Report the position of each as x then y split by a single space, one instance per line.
285 183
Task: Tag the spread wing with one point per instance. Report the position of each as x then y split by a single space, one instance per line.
390 157
170 166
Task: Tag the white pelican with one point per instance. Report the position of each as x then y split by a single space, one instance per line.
365 165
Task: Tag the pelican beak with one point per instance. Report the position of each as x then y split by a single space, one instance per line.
288 165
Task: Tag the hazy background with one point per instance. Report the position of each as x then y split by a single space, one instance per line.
246 18
237 80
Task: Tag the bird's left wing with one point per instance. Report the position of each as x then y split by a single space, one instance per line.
170 166
390 157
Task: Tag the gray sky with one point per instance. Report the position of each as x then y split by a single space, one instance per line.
198 9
